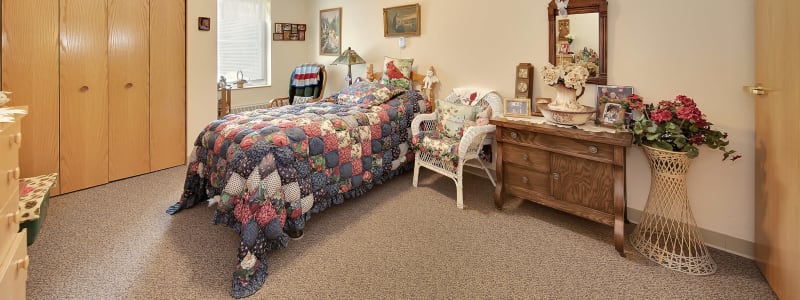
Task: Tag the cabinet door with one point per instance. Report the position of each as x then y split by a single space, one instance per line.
30 70
584 182
128 88
84 94
167 84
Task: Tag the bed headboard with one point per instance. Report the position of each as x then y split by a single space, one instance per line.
416 81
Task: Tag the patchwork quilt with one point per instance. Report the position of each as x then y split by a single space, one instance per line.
270 170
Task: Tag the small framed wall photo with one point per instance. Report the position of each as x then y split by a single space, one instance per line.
401 20
516 107
203 23
277 36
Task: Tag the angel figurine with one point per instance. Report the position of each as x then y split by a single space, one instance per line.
430 78
562 7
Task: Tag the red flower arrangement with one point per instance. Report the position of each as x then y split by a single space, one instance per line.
677 125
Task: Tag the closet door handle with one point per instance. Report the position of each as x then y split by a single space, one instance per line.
84 88
129 85
24 263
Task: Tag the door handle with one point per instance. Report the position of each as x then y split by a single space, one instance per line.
129 85
756 90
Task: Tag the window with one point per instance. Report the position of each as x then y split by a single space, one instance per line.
242 30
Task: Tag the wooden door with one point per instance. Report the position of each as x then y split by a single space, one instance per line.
84 94
167 83
777 206
128 88
30 70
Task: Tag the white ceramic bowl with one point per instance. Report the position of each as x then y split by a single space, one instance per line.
566 117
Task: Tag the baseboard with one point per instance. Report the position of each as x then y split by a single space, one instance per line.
712 239
721 241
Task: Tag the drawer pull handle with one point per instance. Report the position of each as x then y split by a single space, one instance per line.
525 156
13 174
514 135
84 88
14 218
556 176
18 139
24 263
592 149
525 179
129 85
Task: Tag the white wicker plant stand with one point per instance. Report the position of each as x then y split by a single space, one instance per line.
667 233
469 148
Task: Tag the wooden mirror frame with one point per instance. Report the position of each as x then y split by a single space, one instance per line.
582 7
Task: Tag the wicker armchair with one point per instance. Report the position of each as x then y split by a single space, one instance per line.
468 147
312 93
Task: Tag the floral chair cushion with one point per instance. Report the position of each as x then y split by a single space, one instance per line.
452 117
397 72
366 92
437 145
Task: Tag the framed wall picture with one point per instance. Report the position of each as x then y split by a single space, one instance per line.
516 107
289 32
330 31
204 23
401 20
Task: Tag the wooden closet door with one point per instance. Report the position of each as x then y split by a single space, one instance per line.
128 88
167 83
30 70
84 94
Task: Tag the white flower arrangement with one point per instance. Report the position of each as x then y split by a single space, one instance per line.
571 75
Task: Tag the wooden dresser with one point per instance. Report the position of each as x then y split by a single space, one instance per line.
572 170
13 246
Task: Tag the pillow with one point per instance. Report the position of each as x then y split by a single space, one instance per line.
452 117
353 94
397 72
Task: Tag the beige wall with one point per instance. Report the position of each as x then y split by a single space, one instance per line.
662 48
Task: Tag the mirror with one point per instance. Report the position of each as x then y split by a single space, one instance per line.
580 36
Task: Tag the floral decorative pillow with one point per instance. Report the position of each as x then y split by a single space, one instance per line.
397 72
379 93
452 117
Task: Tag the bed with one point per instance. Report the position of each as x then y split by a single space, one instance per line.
270 170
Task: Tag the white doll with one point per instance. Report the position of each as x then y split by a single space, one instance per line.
430 78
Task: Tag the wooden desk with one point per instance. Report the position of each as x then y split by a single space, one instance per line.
572 170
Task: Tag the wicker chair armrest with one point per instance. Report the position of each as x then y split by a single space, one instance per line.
473 136
419 119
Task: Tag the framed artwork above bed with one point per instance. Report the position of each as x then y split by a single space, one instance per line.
401 20
330 31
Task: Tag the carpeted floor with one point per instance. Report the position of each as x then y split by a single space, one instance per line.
116 242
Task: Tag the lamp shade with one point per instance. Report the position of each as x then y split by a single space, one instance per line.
349 57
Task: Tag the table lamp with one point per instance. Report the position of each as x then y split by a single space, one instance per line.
349 58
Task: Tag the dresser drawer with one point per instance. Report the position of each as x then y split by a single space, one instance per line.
8 224
568 146
531 158
522 181
14 269
10 141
